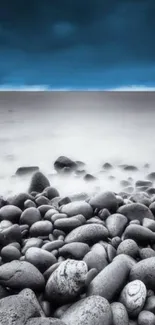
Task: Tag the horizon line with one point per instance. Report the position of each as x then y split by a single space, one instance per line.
37 88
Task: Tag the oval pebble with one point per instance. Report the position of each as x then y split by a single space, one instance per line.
40 258
30 216
119 313
146 318
133 297
10 253
77 207
66 282
144 271
93 310
41 228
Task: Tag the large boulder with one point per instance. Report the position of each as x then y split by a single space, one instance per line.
17 310
38 183
66 282
20 274
144 271
111 280
93 310
64 162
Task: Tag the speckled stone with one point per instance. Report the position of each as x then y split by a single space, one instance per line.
133 297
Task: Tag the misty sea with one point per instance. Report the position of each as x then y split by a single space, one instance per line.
95 127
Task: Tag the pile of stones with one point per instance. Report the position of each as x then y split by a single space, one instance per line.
83 259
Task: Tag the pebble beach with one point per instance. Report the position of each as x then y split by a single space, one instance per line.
77 240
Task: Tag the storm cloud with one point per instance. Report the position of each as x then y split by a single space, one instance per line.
77 43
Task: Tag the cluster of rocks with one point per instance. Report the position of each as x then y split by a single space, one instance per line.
83 259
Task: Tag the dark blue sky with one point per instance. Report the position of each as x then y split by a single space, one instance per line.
77 43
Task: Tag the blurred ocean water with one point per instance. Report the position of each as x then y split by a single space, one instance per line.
95 127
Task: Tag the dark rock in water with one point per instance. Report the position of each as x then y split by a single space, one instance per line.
63 162
51 192
116 224
141 189
143 183
150 191
74 250
119 313
80 172
80 163
146 253
107 166
93 310
32 242
133 297
22 171
66 170
136 211
90 233
140 197
104 200
41 228
111 177
89 178
66 282
17 310
111 280
147 165
128 189
128 247
96 258
146 318
19 275
11 213
38 182
10 253
40 258
10 235
140 234
77 207
144 271
30 216
130 168
151 176
125 183
44 321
